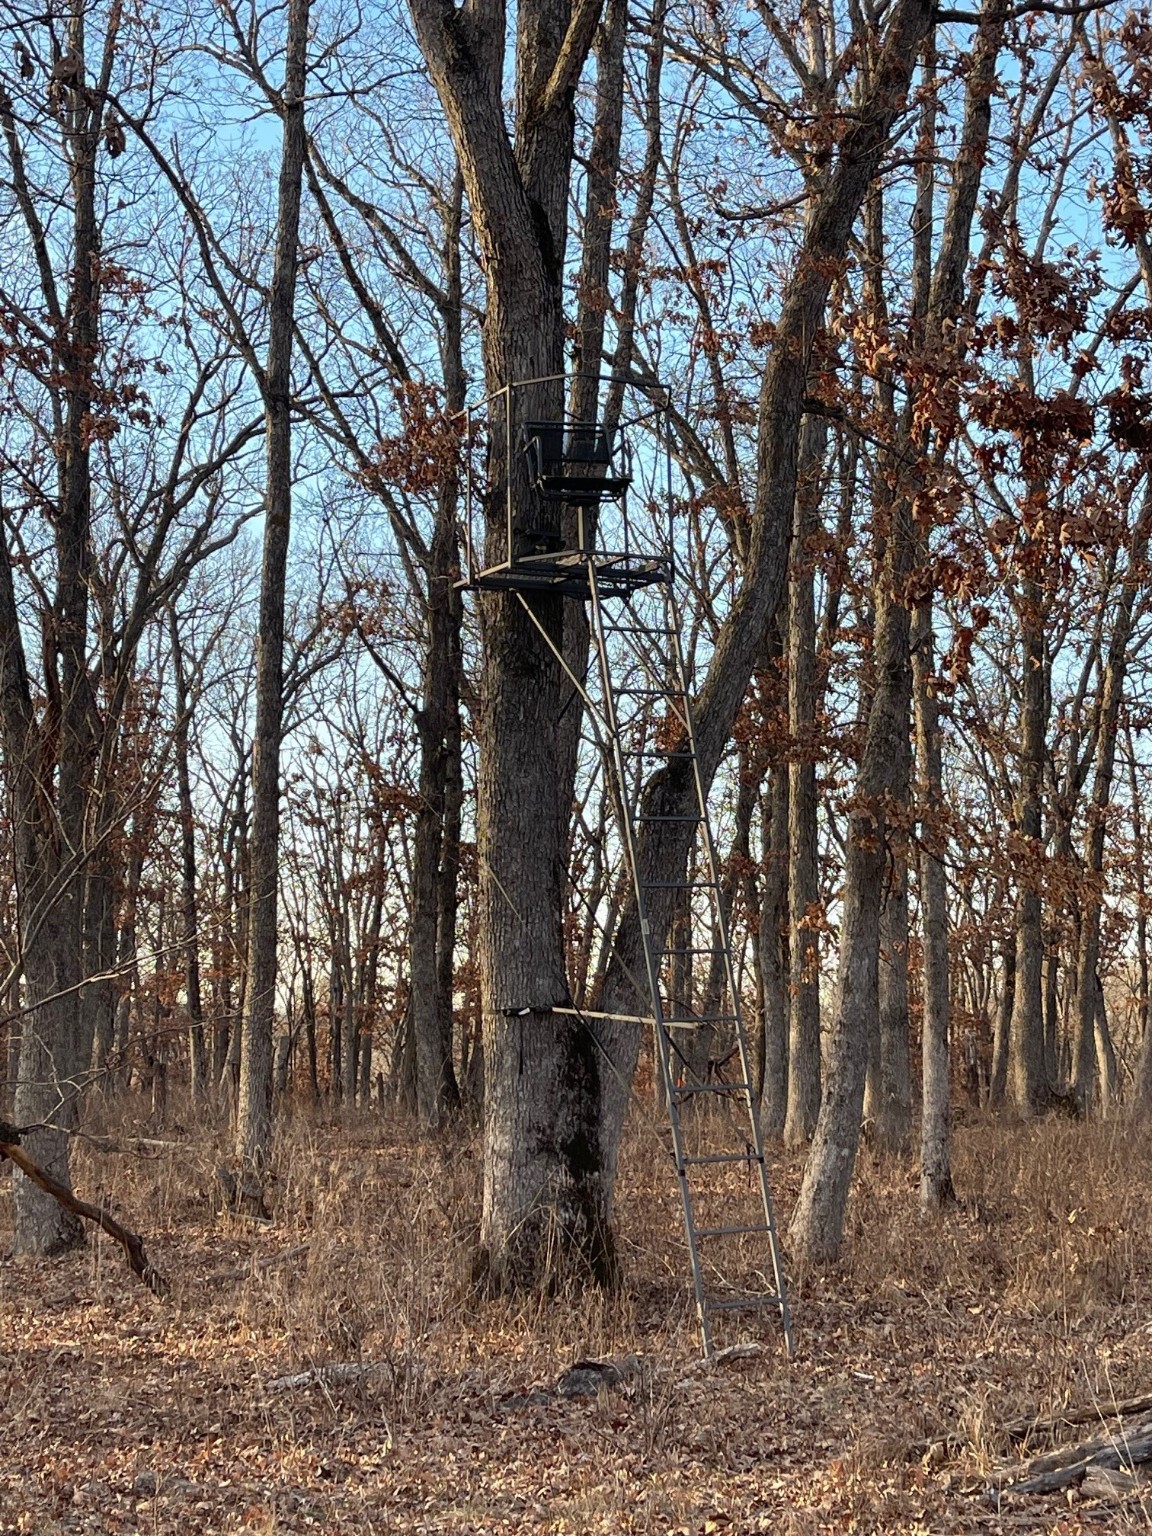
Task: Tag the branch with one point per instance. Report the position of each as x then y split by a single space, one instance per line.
571 59
1032 8
131 1242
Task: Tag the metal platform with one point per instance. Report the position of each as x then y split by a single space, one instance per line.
566 572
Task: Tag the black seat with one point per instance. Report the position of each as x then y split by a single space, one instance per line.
573 462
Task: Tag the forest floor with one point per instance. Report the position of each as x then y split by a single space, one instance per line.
122 1413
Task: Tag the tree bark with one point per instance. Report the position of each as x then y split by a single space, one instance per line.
436 851
818 1220
254 1103
817 1223
1027 1067
190 922
888 1088
1001 1039
1141 1109
773 950
935 1127
50 823
803 1081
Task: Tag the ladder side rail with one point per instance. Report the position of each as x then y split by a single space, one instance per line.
723 930
663 1042
644 657
721 927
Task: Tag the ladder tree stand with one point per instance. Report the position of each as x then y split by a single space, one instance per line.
637 706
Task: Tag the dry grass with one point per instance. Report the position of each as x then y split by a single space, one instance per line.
125 1414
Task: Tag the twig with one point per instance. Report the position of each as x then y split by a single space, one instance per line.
131 1242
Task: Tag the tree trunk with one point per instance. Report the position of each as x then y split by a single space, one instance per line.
803 1080
189 919
98 999
818 1220
51 830
817 1223
1028 1076
543 1213
1105 1054
935 1128
436 851
662 855
888 1088
1142 1085
1001 1039
350 1033
254 1104
1112 697
773 952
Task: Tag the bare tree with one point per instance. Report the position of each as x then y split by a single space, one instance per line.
254 1105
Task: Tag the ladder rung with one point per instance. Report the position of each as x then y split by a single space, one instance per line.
694 1161
637 629
649 693
729 1304
730 1231
650 752
711 950
695 820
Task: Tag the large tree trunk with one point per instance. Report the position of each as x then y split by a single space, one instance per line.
544 1212
51 831
254 1104
662 855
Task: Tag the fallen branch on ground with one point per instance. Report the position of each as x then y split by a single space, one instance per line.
259 1266
327 1375
131 1242
938 1450
146 1146
1119 1450
1093 1413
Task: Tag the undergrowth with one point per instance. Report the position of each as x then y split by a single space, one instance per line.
914 1353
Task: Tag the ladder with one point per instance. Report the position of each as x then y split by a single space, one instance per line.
733 1241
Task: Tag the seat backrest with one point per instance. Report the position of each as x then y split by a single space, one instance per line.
587 445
